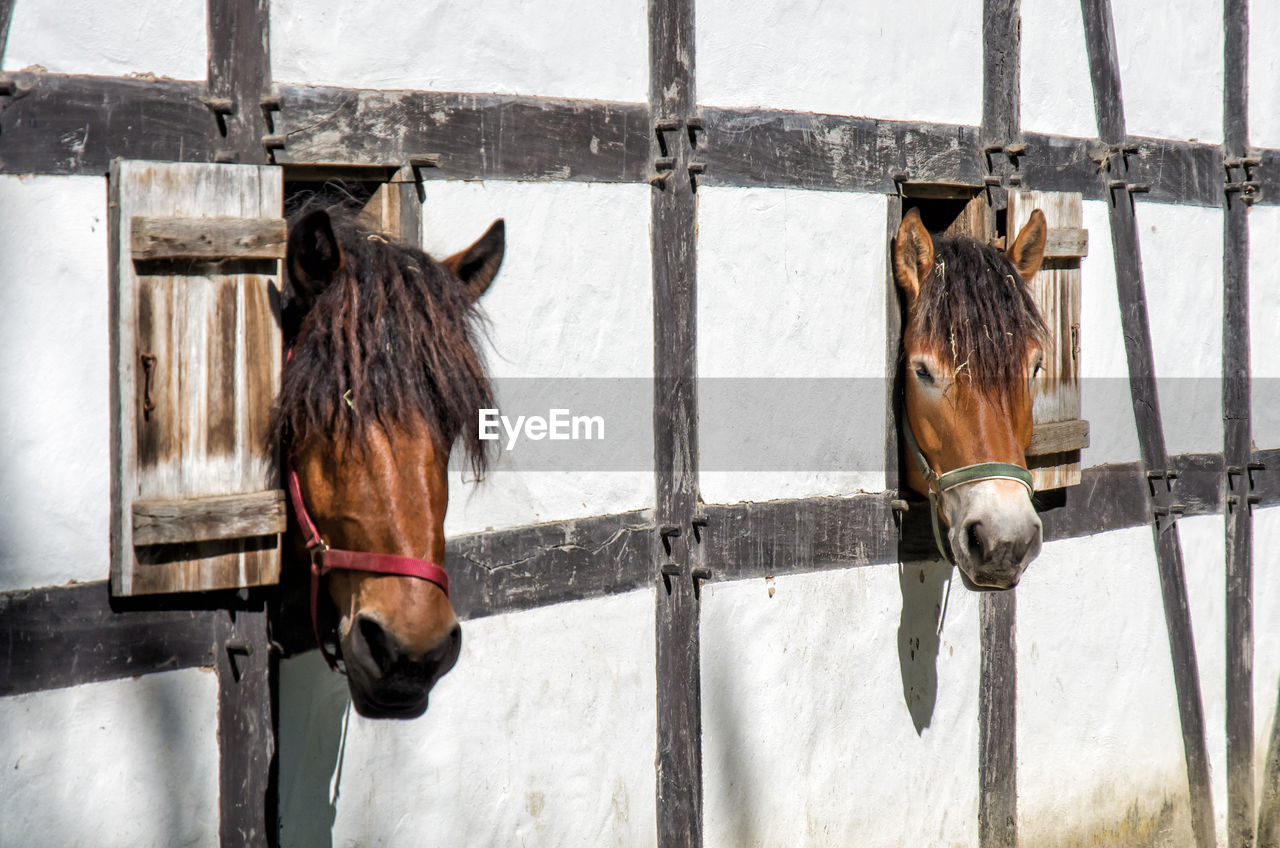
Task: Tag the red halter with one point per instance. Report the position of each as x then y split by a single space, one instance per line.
324 558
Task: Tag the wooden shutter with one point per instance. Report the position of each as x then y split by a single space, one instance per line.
195 338
1060 434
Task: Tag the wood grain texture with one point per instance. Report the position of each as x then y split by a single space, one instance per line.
1237 446
673 248
475 136
1001 71
56 124
207 238
240 71
1056 291
1059 437
998 721
210 340
1066 243
160 522
246 736
69 635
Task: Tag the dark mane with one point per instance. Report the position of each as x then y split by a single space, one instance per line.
977 315
390 341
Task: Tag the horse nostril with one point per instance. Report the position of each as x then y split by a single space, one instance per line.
381 648
976 538
447 654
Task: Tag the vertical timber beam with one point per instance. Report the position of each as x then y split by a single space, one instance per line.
239 76
246 740
1104 68
676 552
6 15
998 689
1237 438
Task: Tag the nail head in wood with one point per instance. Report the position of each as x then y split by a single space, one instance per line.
668 530
219 105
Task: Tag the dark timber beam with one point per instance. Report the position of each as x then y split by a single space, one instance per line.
53 124
246 735
68 635
1237 436
1104 67
997 615
675 148
465 136
239 77
6 17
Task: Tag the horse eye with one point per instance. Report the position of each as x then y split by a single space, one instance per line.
923 373
1035 372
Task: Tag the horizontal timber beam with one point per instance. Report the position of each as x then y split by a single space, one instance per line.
67 635
60 124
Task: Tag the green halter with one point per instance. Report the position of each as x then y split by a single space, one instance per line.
938 483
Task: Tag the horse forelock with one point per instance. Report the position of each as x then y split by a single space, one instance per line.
390 342
977 316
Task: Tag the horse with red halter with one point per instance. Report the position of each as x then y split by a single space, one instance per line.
972 345
382 378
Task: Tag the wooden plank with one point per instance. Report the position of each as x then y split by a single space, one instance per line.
1056 289
475 136
240 71
1059 437
1066 243
246 738
998 721
1104 68
673 247
208 238
160 522
1001 80
207 433
1237 447
397 208
69 635
57 124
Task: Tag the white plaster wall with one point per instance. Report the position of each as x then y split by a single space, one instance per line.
1264 323
558 48
1171 68
813 687
542 735
791 343
1105 400
130 763
54 422
1098 731
109 37
916 60
1182 269
1266 632
573 306
1057 95
1264 73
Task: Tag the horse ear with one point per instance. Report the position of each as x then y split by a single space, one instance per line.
912 254
313 256
478 264
1027 252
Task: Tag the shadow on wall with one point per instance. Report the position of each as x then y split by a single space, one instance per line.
924 587
314 709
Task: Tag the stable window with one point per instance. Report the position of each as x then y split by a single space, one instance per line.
1059 435
196 254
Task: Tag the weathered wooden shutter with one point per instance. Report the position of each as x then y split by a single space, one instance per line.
1060 433
195 338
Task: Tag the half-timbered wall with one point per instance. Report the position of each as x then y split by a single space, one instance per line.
822 682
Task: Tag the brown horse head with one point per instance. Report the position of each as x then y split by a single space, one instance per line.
972 349
383 378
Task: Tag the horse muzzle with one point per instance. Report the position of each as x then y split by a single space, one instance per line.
386 680
994 532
